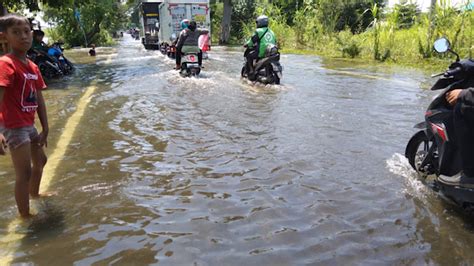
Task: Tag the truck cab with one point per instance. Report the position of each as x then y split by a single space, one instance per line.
150 23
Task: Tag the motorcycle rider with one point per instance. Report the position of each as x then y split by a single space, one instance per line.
38 43
188 42
184 25
463 102
263 37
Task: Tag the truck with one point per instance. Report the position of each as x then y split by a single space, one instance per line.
149 23
172 12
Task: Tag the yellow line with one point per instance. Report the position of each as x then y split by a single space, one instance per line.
56 157
10 241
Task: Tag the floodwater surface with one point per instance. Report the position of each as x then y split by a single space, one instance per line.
218 171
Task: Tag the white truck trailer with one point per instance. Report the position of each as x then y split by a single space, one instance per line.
172 12
149 23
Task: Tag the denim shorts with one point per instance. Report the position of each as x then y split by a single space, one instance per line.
18 136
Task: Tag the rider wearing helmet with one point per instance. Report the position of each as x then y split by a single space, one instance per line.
257 45
188 42
184 25
38 43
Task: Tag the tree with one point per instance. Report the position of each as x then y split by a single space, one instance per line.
32 5
226 22
97 20
243 14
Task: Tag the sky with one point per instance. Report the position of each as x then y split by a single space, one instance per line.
425 4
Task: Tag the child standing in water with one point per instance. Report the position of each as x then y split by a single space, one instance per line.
20 98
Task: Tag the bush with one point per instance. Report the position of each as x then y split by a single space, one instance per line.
353 50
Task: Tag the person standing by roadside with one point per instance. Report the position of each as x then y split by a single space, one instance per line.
21 84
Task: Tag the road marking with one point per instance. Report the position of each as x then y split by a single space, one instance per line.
12 237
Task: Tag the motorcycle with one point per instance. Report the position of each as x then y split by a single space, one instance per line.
56 51
48 66
190 65
266 70
433 151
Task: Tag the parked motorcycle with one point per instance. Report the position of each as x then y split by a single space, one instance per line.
266 70
190 65
433 150
48 66
56 51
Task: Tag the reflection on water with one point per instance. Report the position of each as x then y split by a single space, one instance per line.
218 171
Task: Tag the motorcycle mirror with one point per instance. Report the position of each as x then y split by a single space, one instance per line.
442 45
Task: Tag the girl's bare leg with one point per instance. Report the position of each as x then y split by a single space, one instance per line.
38 158
21 158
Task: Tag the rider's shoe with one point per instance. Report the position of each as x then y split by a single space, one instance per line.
177 67
460 180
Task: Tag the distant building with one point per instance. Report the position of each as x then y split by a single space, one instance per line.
425 5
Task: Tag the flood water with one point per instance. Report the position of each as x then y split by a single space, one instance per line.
217 171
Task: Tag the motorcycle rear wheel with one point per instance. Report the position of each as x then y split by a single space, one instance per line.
416 151
276 79
243 72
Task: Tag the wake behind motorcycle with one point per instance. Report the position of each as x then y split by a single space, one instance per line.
266 70
433 151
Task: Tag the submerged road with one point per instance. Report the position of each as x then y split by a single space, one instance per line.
151 168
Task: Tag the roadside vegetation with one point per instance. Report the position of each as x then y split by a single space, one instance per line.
357 30
364 30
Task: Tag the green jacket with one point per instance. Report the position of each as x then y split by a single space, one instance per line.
264 36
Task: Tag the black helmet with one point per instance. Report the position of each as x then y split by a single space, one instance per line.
192 25
262 21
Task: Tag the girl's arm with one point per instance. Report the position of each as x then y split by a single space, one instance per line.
3 142
43 117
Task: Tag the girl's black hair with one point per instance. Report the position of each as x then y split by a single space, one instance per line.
11 20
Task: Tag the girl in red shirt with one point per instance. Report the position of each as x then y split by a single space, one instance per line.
20 98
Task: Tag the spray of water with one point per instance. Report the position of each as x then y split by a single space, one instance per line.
414 187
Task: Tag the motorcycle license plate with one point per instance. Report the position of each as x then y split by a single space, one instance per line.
191 65
190 58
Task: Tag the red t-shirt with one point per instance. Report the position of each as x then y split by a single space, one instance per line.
20 82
